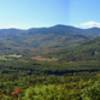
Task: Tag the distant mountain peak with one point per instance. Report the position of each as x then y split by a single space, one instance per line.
60 25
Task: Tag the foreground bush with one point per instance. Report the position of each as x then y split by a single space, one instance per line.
45 92
92 92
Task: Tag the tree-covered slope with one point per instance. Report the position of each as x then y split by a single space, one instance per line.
89 50
40 40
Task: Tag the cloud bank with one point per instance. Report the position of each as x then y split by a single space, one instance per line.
90 24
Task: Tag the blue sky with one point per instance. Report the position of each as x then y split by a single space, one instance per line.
40 13
33 13
84 11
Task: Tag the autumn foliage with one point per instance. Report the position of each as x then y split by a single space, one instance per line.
17 91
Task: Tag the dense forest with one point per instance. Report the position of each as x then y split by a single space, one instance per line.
23 79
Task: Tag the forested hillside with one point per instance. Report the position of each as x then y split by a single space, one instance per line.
43 40
56 63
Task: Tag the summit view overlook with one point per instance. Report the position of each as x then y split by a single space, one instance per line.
49 50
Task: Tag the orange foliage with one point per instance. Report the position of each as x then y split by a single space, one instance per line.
17 91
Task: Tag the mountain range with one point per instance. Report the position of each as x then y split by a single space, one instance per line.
36 41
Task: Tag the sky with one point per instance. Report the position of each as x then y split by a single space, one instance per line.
45 13
84 12
33 13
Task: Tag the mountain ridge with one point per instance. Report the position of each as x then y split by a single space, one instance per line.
44 39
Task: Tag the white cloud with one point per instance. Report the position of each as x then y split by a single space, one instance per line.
90 24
